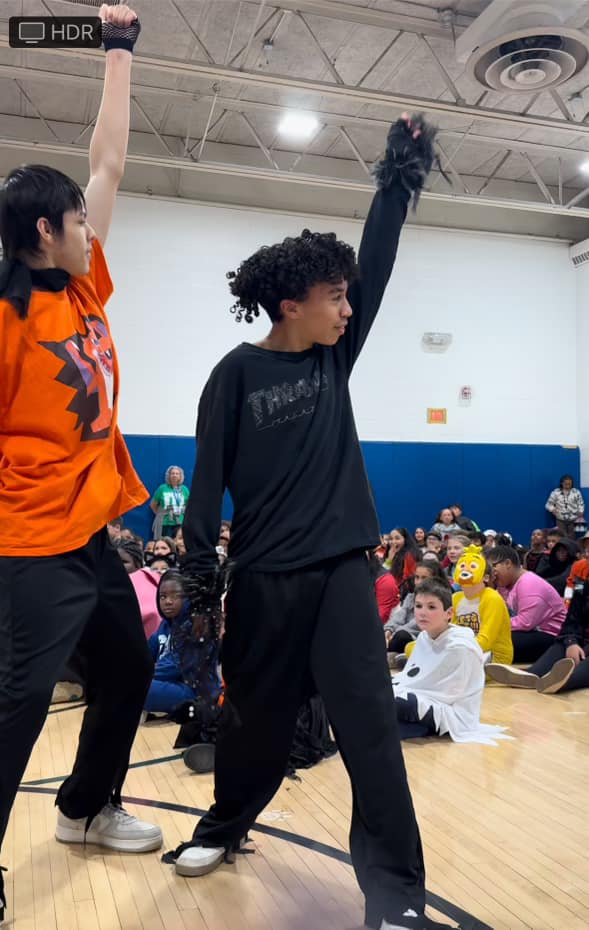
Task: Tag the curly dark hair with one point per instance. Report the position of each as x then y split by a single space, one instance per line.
287 270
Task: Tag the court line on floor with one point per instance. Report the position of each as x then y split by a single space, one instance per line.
134 765
467 921
60 710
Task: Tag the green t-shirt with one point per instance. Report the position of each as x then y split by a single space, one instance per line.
173 502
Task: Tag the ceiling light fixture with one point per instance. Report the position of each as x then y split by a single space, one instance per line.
298 125
585 167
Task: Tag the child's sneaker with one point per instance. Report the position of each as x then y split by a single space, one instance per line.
113 828
514 677
200 758
557 677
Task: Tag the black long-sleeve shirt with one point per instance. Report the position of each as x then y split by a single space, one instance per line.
277 429
575 629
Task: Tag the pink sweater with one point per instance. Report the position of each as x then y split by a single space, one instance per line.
145 583
535 605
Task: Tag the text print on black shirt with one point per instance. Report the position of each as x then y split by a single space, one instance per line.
290 398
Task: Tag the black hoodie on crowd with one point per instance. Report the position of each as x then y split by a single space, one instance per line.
575 629
553 570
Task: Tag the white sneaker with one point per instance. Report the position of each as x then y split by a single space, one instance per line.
557 677
113 828
198 860
509 675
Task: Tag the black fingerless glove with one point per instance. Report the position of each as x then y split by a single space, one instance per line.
204 590
408 161
120 36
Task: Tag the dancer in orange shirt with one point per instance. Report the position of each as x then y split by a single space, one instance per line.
64 473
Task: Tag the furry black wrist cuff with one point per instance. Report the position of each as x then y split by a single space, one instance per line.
408 161
204 589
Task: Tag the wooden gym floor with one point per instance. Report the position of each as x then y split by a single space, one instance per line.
504 829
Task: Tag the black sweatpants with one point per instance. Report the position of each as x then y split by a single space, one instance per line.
284 630
530 645
47 606
580 676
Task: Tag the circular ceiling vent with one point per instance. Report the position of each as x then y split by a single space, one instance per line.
529 60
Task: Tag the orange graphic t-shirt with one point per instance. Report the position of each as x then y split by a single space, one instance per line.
64 468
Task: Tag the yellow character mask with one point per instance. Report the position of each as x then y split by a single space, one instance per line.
471 567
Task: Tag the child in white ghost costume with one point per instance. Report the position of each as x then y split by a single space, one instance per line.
441 688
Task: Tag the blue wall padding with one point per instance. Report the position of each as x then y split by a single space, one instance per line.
501 486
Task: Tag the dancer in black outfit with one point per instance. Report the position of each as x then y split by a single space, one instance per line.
275 426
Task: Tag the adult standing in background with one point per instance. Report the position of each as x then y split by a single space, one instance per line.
567 506
169 503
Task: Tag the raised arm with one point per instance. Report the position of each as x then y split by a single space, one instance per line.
399 175
108 147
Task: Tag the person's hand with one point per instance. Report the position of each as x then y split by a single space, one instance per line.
576 653
388 635
407 119
120 27
409 155
119 15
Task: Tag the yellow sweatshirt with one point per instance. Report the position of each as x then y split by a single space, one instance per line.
487 616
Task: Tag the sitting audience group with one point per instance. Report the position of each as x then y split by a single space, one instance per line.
524 605
458 607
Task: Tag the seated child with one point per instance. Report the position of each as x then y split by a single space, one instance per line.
481 608
386 588
401 628
537 612
186 660
441 687
579 571
455 547
144 581
564 666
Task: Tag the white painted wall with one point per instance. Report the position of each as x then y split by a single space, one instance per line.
510 304
582 292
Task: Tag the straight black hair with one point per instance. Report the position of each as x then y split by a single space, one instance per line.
503 554
566 478
28 193
409 547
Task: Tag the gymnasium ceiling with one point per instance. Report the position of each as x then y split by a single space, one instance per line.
212 79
